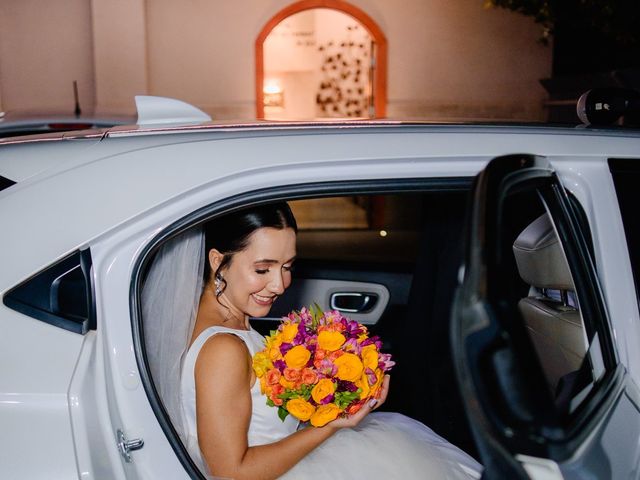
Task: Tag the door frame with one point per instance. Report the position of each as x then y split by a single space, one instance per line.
380 42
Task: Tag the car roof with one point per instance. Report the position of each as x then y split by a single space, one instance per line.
74 187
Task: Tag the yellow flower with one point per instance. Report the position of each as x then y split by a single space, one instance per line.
274 354
289 332
300 408
323 388
363 384
261 363
330 340
324 414
273 341
349 367
369 356
297 357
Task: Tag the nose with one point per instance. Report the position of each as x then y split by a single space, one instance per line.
276 285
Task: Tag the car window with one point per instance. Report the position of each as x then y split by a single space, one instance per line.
543 286
5 183
363 228
626 175
60 295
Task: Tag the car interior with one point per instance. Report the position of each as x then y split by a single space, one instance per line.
392 261
404 249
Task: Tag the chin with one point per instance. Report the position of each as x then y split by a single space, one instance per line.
256 310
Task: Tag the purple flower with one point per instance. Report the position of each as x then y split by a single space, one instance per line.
384 362
371 376
327 399
327 368
285 347
345 386
280 365
352 329
351 346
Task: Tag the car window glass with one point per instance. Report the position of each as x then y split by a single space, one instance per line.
626 177
60 295
363 228
544 290
5 183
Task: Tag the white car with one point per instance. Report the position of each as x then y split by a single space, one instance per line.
539 345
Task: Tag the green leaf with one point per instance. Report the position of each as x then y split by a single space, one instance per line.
282 413
270 403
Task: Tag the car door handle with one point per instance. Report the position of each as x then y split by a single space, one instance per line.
353 302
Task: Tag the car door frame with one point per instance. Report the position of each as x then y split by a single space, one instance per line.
541 446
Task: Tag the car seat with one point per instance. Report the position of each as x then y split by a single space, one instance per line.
550 311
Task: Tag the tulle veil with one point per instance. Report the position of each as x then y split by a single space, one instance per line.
170 298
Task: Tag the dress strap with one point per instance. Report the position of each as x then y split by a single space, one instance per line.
209 332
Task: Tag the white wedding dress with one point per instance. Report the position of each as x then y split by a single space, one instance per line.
384 445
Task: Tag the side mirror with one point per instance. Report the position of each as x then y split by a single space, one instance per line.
604 106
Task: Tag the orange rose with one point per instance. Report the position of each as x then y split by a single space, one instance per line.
287 383
323 388
350 367
334 355
369 356
309 377
275 391
273 376
300 408
289 332
324 414
297 357
363 384
331 341
292 374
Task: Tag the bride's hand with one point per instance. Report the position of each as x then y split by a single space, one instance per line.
353 420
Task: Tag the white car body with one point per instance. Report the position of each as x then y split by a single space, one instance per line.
64 395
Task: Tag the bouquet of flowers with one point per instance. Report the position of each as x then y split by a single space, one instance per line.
319 365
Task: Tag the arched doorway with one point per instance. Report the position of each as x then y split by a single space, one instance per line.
331 57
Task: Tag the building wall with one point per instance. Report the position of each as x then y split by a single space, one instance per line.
448 59
44 47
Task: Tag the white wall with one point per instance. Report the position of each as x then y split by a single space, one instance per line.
120 53
448 59
44 47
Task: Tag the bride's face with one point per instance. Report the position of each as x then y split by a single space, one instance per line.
259 273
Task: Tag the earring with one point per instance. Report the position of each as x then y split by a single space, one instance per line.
218 284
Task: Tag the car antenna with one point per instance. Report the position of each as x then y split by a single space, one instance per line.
77 110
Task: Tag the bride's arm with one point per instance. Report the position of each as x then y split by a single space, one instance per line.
223 410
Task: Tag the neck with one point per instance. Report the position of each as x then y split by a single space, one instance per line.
218 311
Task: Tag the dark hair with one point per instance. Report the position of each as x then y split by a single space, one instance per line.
230 233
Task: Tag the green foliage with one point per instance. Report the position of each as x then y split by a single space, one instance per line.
343 399
282 413
303 392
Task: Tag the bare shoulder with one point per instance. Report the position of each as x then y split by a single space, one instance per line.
223 351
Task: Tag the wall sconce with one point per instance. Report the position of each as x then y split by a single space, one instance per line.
273 94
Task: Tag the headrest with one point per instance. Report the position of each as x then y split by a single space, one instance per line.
541 261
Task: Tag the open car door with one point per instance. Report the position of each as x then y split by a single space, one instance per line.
544 392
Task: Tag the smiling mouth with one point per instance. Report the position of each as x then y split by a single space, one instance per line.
264 301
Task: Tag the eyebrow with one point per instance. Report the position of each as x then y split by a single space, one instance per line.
268 260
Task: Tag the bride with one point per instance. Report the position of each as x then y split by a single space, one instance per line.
207 343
